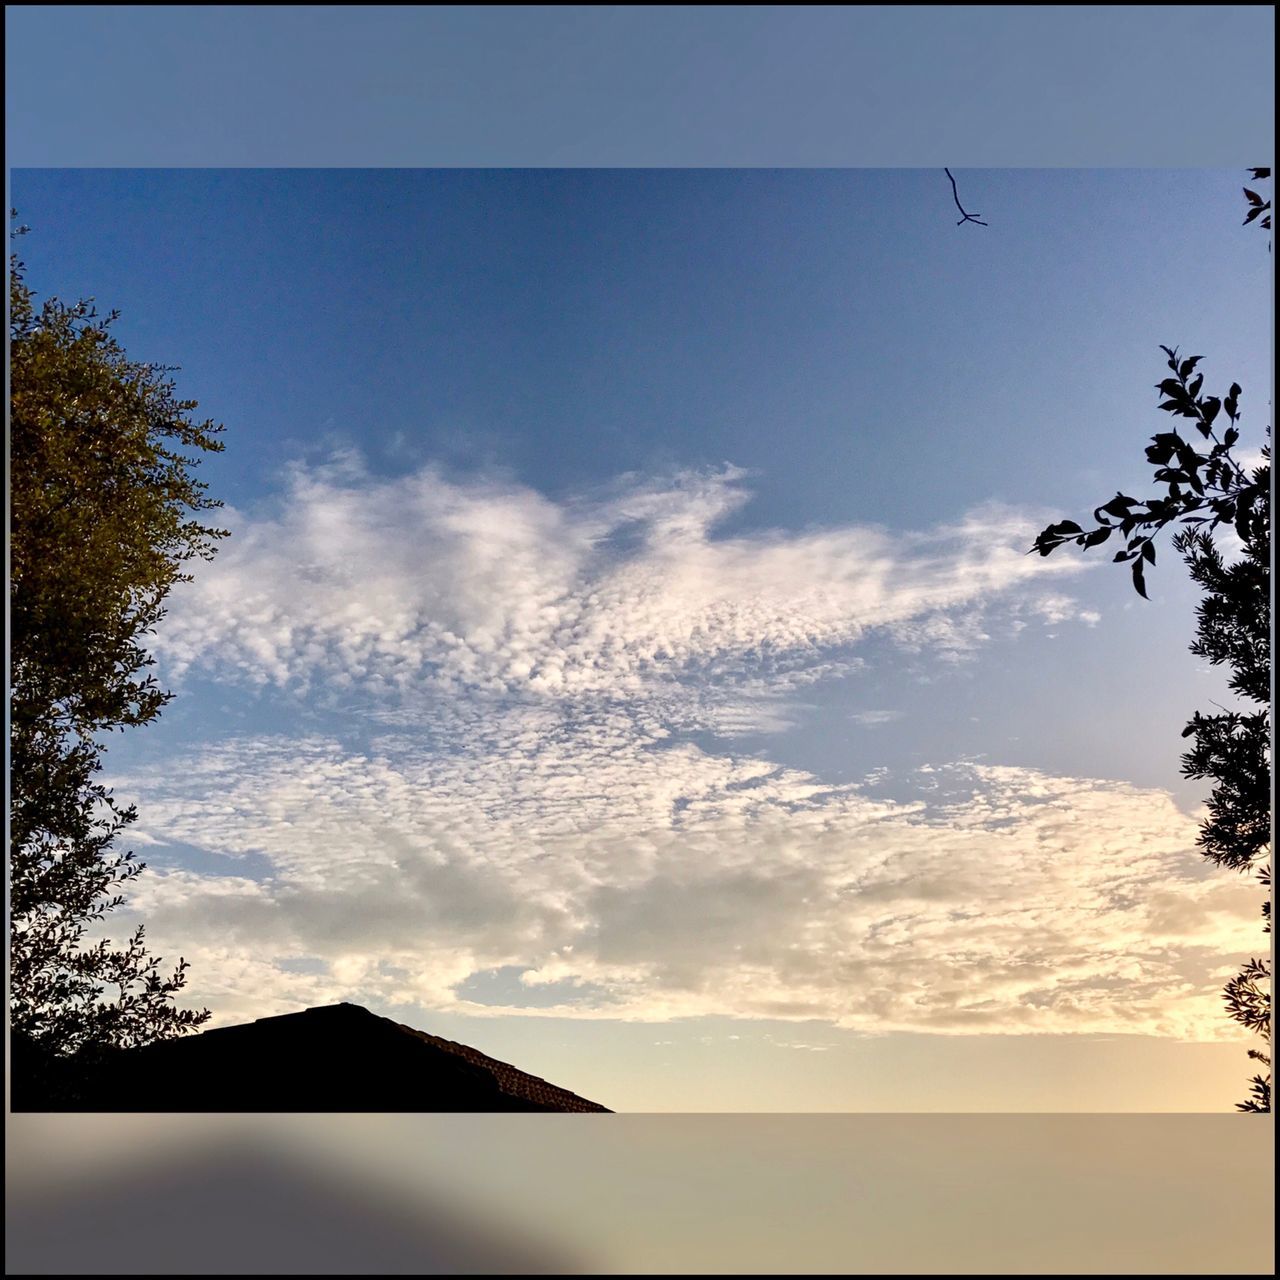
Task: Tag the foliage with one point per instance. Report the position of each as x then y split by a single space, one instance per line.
102 522
1205 491
1258 207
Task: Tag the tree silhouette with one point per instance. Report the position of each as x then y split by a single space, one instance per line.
101 524
1204 493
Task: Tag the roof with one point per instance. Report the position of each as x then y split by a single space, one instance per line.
337 1057
511 1080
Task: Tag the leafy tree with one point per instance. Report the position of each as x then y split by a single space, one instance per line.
1206 492
102 522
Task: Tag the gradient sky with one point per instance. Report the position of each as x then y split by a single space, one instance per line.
625 659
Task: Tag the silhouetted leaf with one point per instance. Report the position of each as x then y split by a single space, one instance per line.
1232 402
1118 506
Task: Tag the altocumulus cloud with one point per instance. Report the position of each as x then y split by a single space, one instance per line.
418 584
518 793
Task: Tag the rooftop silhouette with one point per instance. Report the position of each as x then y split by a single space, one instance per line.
337 1057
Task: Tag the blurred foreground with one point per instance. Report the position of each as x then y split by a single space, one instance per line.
527 1195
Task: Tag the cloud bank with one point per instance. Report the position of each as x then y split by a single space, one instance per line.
516 797
651 881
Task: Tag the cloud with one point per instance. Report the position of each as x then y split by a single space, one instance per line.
512 800
654 880
386 586
870 719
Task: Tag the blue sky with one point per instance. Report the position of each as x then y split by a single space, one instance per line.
624 648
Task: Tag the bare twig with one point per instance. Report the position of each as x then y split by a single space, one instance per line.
968 217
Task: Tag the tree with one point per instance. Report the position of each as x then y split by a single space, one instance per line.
1206 492
103 506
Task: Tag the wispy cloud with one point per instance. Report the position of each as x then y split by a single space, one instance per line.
872 719
415 583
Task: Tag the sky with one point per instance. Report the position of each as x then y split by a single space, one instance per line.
625 658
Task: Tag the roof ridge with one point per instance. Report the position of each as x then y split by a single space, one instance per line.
513 1081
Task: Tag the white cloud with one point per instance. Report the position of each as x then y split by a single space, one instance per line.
528 801
660 881
387 586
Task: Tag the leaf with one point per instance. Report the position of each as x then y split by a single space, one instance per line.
1120 557
1230 436
1210 409
1148 553
1119 505
1139 584
1232 403
1185 368
1097 537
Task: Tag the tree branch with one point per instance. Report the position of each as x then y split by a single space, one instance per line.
968 217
